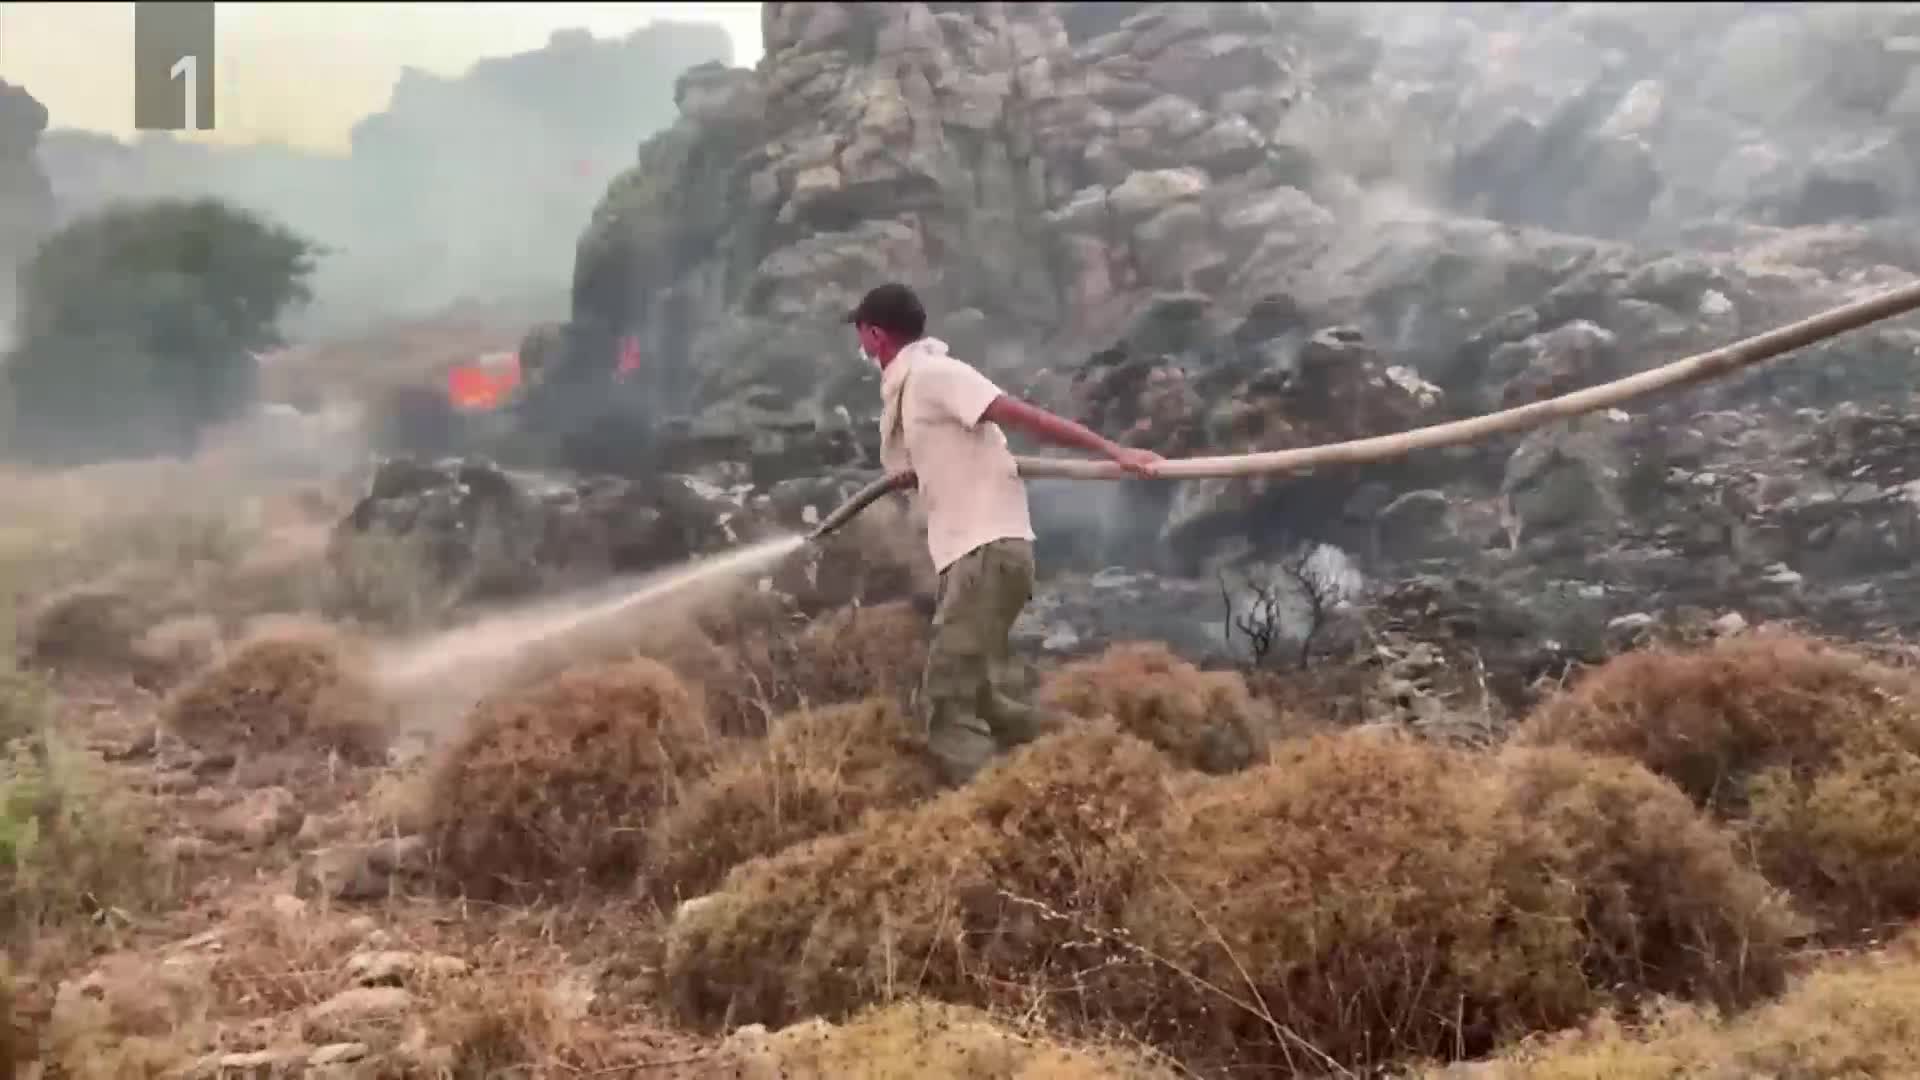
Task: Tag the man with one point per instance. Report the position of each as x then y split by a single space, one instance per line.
940 434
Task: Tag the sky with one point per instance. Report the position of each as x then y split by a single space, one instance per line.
304 73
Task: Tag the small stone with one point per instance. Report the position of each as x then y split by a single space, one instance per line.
1638 620
392 967
1729 624
337 1054
188 848
259 819
691 907
257 1059
1781 574
176 782
1060 639
362 1003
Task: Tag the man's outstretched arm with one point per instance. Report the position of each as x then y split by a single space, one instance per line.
1011 412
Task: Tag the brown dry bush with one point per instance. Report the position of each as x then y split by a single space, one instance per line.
1852 1016
509 1023
554 786
89 625
1810 749
1660 895
291 685
732 680
941 900
1205 720
815 774
915 1039
859 652
752 665
1363 899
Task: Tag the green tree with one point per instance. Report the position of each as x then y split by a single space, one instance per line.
139 326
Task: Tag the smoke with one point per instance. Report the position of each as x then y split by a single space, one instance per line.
474 187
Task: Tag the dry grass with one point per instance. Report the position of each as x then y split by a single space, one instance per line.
815 774
751 664
554 786
293 685
1850 1017
1202 719
859 652
914 902
75 848
1356 901
912 1040
1365 899
1810 749
76 851
481 997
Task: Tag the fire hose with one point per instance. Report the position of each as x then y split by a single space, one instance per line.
1700 367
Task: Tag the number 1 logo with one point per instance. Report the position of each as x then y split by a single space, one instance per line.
173 66
187 70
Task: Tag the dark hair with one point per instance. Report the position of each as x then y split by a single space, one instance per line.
894 308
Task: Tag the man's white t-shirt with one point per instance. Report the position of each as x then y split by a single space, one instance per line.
969 485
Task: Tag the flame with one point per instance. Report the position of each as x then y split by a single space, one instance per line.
629 357
483 385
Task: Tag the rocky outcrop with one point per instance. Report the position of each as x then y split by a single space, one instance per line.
1210 229
1022 178
495 533
1628 119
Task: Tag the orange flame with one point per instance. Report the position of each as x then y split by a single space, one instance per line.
483 386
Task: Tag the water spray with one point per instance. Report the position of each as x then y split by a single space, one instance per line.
1701 367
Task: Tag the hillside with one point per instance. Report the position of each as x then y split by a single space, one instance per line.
463 188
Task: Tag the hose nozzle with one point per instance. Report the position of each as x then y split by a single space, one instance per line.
861 499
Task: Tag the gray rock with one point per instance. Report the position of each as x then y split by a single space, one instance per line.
362 871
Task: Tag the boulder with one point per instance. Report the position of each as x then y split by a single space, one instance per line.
494 533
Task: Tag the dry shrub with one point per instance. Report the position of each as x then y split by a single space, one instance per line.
1812 750
127 1018
859 652
74 846
1202 719
511 1024
554 786
815 774
1852 1016
1845 839
751 665
915 1039
733 689
291 684
1363 899
89 625
173 649
1660 896
929 900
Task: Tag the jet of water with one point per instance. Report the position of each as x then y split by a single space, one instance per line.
468 652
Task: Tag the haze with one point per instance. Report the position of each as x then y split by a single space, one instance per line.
302 74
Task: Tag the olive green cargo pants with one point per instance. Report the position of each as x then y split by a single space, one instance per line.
963 694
